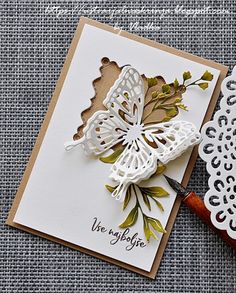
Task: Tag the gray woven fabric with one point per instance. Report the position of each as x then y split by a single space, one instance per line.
33 48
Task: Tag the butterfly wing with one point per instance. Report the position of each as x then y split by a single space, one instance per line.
171 139
163 141
137 162
126 97
124 102
102 132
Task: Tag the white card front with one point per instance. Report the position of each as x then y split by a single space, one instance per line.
65 195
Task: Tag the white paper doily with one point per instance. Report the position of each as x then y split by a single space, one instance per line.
218 149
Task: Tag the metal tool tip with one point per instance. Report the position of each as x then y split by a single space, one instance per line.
176 186
168 179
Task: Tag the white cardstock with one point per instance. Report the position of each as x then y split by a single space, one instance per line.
65 195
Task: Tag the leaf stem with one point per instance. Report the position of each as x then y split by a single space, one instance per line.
193 83
168 96
137 201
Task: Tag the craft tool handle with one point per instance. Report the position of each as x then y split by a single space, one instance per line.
197 206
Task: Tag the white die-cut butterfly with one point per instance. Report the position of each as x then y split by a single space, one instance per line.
122 123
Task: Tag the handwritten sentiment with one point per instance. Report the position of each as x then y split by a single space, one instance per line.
131 240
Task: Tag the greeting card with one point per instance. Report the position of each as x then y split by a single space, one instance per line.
124 111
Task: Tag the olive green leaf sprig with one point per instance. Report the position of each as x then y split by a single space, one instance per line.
165 98
148 194
207 76
111 159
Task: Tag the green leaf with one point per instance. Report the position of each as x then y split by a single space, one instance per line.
183 107
166 119
176 84
146 201
155 191
161 95
160 169
146 228
154 94
166 88
152 81
110 188
203 85
126 95
177 100
148 233
127 197
131 219
113 157
160 206
207 76
158 96
156 224
187 75
171 111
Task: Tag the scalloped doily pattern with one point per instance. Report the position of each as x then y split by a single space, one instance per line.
218 149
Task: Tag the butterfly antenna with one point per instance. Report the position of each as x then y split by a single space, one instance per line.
69 145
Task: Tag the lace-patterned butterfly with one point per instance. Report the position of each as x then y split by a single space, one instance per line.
122 124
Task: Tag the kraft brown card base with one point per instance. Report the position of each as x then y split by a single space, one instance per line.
86 31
